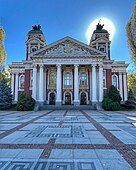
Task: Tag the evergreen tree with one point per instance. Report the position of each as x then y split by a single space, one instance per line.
113 94
5 94
112 99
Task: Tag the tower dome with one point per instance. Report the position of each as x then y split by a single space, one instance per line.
100 40
35 40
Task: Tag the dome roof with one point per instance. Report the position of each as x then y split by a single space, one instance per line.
99 29
36 29
35 32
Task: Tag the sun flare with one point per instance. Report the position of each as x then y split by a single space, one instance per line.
108 25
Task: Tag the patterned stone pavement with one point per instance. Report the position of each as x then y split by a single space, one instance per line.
67 140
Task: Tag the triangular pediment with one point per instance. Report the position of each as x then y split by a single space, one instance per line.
67 47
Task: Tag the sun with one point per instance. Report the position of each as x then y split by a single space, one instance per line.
108 25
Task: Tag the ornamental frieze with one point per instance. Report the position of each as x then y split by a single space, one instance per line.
67 48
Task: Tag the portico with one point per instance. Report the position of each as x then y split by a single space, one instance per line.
95 90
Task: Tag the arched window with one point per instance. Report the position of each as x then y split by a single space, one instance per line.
21 82
67 79
115 80
83 79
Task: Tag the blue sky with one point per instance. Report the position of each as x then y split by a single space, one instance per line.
60 18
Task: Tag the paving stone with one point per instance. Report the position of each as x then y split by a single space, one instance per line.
61 154
68 140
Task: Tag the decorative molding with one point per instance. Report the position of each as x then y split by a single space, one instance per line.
67 47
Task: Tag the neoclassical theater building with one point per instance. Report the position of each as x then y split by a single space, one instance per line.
68 72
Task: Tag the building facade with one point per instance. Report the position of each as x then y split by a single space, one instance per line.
68 71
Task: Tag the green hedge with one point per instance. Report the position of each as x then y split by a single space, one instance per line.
25 103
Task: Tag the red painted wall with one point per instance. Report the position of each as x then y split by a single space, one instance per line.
27 82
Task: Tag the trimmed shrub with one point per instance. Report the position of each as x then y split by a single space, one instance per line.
25 103
115 106
131 102
106 103
109 105
112 99
113 94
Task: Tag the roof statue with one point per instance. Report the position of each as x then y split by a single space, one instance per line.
99 26
36 27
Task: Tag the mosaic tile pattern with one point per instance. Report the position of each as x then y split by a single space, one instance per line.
67 140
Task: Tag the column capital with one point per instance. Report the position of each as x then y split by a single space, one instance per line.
124 73
58 65
41 65
93 65
17 73
34 65
100 65
120 73
76 65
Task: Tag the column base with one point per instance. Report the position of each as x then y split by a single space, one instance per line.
58 103
40 103
76 102
94 102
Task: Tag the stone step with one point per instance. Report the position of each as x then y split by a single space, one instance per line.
67 107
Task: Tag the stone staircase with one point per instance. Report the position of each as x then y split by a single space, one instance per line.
67 107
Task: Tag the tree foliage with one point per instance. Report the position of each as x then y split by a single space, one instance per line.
25 102
112 99
132 83
131 34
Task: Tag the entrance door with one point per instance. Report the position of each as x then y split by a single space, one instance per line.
83 98
52 99
67 98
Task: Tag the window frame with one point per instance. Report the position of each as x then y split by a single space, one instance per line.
21 88
114 75
66 79
81 80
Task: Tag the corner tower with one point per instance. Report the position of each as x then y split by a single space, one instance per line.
100 40
35 40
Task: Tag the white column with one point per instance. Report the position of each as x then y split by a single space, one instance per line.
120 85
100 83
16 87
76 86
90 83
58 85
94 85
125 86
45 71
34 81
41 82
12 83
